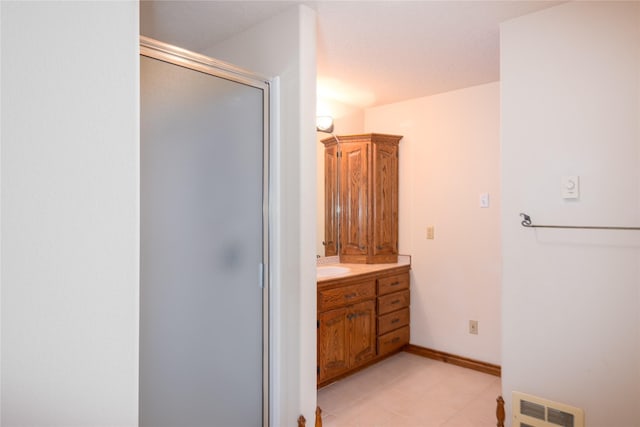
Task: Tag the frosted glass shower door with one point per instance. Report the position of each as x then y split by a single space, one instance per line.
202 240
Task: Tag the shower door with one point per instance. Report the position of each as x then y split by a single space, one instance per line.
203 301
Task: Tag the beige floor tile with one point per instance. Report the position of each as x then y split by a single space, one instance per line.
480 412
367 416
411 391
407 421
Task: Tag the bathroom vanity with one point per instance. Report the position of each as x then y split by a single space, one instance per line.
363 316
363 291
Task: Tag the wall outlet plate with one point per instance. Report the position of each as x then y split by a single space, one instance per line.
473 327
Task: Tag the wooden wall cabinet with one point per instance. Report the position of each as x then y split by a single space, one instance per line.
366 168
360 321
330 200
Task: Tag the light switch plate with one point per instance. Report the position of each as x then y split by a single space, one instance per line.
571 187
430 232
484 200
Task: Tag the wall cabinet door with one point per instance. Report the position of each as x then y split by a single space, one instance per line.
354 195
385 200
331 200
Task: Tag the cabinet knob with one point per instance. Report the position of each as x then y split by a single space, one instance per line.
379 247
362 248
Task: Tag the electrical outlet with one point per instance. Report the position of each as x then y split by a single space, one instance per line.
430 232
473 327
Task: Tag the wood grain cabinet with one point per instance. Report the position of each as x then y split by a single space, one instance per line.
331 200
366 177
346 328
393 313
361 320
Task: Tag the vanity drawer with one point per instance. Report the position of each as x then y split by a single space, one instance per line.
392 321
338 297
392 302
393 284
393 340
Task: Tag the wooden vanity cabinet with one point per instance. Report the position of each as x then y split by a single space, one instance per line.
361 320
368 201
346 328
393 313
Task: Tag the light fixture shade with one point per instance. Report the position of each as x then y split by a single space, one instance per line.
324 124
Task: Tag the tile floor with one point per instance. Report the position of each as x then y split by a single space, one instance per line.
406 390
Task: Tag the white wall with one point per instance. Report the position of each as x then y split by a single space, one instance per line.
571 299
285 46
448 156
69 213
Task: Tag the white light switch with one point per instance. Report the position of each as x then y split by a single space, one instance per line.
484 200
571 187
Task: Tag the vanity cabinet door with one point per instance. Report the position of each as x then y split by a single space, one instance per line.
346 338
362 333
333 335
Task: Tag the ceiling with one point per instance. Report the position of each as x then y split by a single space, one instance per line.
369 52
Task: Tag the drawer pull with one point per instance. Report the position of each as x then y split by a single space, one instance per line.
394 284
395 340
396 320
397 301
349 296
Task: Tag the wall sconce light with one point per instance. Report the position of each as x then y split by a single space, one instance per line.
324 124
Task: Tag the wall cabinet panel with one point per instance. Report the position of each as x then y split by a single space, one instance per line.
366 178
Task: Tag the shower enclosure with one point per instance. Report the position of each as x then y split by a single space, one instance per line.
203 288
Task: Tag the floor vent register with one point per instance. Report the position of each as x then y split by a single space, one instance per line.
532 411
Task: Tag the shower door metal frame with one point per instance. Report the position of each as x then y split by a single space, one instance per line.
184 58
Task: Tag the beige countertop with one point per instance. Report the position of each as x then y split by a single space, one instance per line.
359 269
